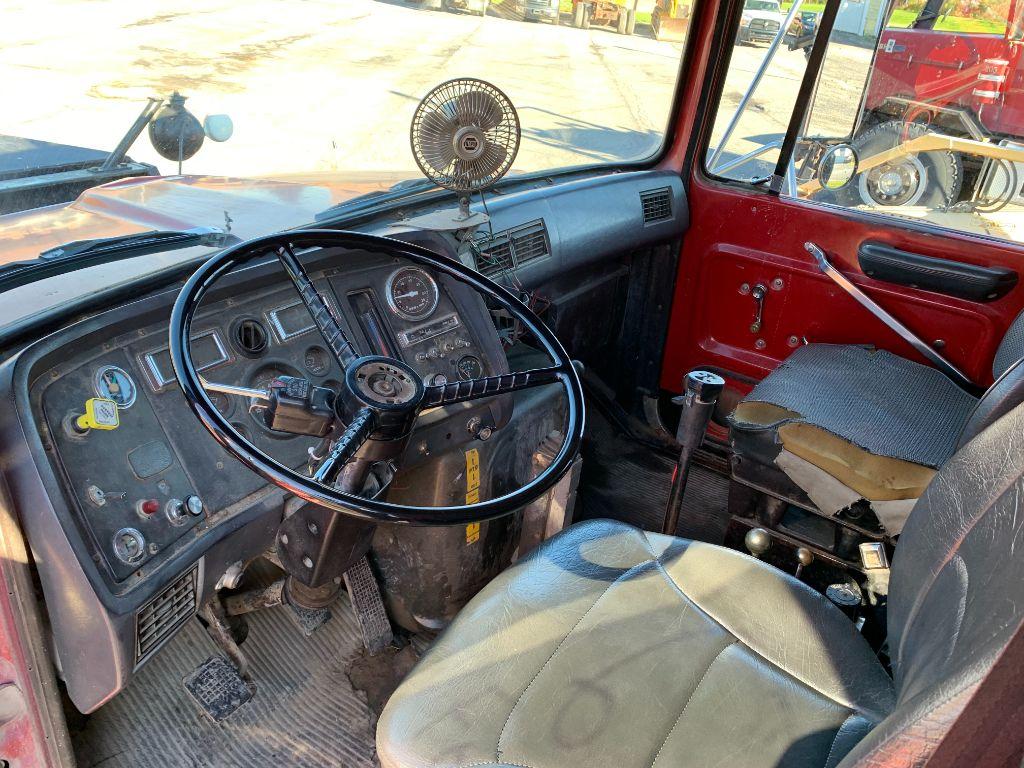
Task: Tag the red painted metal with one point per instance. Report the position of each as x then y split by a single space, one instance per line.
955 69
740 235
22 742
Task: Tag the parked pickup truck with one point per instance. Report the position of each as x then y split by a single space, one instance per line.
760 21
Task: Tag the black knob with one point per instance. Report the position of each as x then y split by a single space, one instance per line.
707 386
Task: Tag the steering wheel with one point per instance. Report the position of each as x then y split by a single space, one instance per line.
379 399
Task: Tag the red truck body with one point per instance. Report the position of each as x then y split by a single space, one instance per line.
981 74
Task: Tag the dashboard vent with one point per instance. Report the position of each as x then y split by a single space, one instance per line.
251 338
165 613
657 204
513 248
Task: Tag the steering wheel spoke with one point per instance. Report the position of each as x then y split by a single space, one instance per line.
318 307
345 447
437 395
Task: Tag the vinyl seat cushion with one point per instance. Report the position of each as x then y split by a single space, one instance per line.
611 646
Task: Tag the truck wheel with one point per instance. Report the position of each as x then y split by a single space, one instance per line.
929 179
585 24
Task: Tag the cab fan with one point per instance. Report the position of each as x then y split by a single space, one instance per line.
465 135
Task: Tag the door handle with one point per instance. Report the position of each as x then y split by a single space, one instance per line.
758 293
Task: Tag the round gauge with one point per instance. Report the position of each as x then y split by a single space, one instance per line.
470 367
317 361
412 293
129 545
112 383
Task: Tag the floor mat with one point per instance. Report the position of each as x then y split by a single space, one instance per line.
626 480
305 711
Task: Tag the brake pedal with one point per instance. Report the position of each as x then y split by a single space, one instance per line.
369 607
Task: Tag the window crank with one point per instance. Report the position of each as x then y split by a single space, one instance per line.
758 293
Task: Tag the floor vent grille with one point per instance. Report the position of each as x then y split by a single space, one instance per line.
165 613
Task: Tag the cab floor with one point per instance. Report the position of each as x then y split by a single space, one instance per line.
305 711
626 480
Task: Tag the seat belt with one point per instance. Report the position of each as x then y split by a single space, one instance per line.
989 731
905 333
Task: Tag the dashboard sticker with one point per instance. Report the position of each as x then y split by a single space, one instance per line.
472 491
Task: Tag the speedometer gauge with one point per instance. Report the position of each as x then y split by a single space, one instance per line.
412 293
112 383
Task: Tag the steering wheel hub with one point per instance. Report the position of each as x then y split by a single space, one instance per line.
382 382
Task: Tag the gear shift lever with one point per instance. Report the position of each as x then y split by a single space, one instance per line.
701 391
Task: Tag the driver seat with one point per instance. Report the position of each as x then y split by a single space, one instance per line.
612 646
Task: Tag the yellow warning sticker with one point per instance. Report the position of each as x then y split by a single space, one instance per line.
472 491
472 475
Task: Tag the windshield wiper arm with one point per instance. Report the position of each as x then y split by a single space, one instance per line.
79 254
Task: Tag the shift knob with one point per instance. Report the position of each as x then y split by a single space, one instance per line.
757 541
705 385
804 557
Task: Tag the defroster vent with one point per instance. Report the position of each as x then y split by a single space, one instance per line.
165 613
657 204
512 248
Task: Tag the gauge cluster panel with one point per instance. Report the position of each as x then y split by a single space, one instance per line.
146 488
134 497
427 328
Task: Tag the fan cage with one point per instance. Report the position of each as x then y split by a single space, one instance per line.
457 104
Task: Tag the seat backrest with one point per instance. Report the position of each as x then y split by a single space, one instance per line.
1011 348
1008 389
1005 394
956 592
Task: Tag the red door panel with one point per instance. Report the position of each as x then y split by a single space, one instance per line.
743 236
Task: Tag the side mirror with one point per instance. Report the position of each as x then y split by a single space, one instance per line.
218 127
838 166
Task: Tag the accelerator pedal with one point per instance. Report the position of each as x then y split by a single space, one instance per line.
369 607
217 688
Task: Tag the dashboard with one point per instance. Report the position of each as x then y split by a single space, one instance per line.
132 528
134 511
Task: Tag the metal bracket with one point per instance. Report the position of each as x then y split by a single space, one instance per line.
904 333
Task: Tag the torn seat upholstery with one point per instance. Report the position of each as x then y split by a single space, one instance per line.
834 424
610 647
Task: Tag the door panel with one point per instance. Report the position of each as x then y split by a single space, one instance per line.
743 236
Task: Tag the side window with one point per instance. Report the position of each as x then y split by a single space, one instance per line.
929 94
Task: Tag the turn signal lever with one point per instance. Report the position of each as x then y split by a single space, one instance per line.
701 391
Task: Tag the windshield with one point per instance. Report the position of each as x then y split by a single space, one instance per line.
761 5
321 93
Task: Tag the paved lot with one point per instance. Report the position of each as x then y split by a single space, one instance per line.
328 85
323 84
